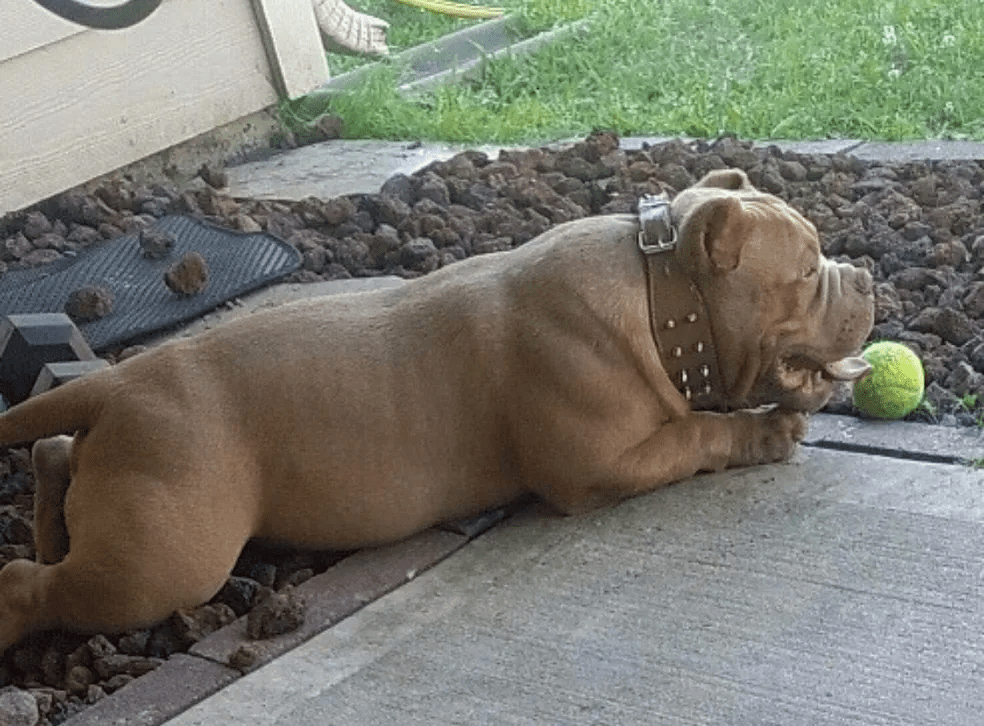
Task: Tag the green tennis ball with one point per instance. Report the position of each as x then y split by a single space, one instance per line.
895 384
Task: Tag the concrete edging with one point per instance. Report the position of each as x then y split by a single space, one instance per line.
897 439
186 679
877 151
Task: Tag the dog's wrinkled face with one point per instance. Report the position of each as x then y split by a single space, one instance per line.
788 322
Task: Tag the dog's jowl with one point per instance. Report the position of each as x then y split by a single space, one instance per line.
591 364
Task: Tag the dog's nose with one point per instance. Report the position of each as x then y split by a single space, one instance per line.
858 277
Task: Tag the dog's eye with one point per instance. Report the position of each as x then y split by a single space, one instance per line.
811 272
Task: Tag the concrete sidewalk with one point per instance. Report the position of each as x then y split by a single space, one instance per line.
840 588
844 587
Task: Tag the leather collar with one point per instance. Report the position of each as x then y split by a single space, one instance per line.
679 319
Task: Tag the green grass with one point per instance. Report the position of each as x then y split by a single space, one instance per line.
760 69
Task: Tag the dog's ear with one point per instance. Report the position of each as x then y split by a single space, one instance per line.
731 179
717 227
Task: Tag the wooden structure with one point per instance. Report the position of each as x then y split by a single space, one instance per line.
78 103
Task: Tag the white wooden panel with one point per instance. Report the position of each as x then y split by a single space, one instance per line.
293 42
96 101
26 26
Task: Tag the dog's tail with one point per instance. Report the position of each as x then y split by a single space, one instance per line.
66 409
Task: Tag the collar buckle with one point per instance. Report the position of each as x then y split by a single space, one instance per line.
656 231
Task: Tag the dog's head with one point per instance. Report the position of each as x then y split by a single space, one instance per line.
788 323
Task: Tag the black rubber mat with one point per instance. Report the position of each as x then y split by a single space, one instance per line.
238 263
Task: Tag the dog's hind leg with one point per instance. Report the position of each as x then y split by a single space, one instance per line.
53 476
108 585
139 549
89 595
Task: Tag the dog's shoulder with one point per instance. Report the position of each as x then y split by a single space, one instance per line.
598 230
583 248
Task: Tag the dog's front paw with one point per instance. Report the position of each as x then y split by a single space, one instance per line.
766 437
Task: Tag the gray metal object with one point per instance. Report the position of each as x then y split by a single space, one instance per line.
113 17
53 375
28 342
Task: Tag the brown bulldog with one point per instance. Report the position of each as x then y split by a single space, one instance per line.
356 420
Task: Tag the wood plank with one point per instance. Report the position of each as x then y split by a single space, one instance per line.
108 99
293 43
27 26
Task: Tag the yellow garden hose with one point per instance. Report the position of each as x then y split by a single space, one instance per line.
457 10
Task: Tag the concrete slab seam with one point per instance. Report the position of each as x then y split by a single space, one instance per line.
899 454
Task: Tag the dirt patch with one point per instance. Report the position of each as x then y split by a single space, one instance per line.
916 226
